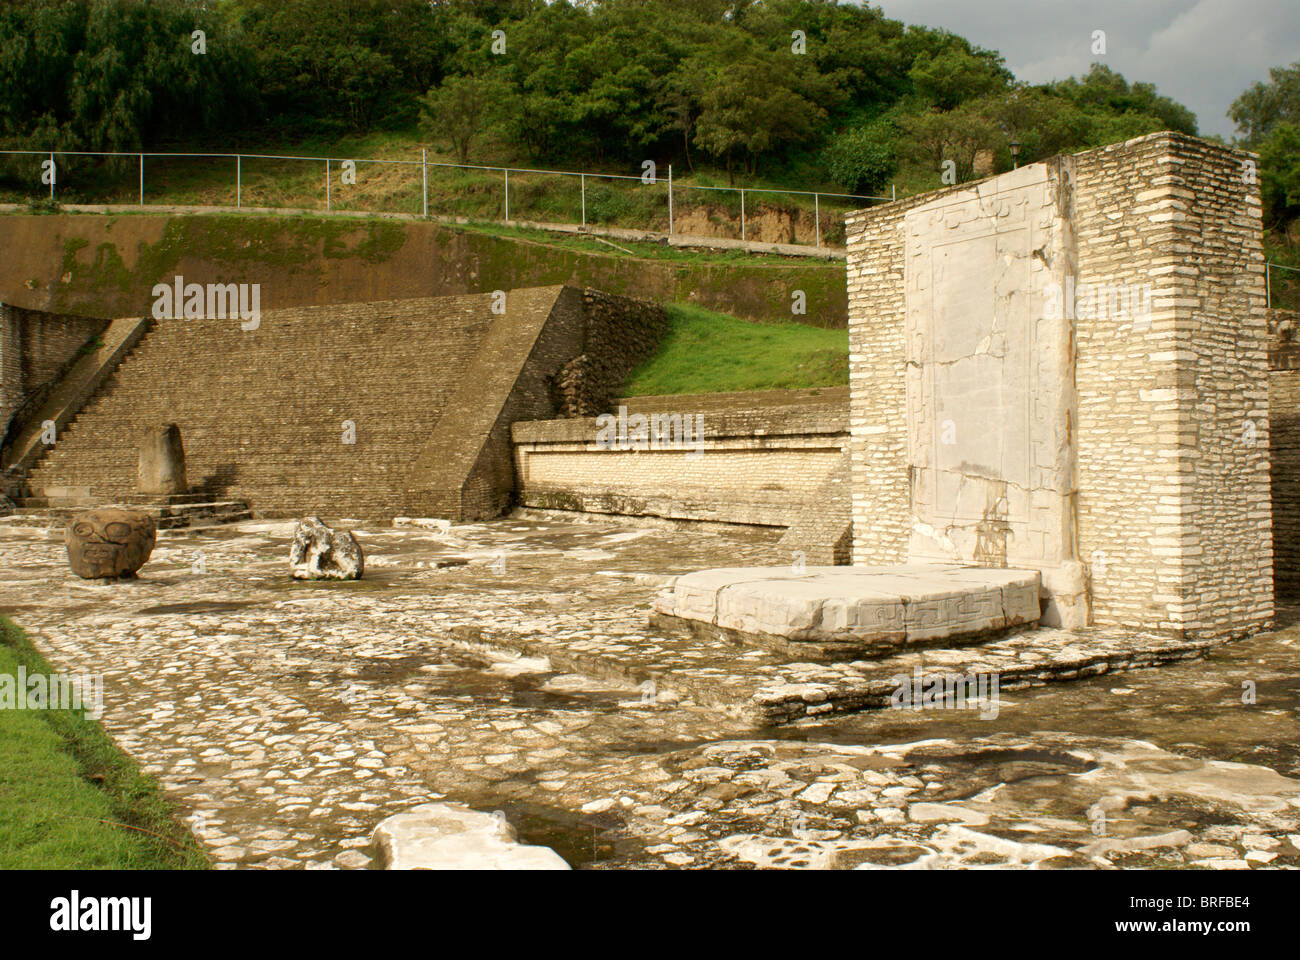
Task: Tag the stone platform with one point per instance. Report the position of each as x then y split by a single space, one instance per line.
845 613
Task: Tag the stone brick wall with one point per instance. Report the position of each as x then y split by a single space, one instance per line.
821 534
620 334
36 348
11 366
1174 501
760 466
1284 448
463 470
262 411
1171 506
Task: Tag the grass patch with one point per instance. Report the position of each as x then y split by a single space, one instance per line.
69 798
707 352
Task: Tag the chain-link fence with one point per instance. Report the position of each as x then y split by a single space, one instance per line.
424 187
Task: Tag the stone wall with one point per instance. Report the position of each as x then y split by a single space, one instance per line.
877 364
1167 520
1174 501
752 466
1284 448
620 335
821 534
463 470
11 366
990 399
36 349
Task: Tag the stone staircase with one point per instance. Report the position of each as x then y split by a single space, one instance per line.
262 412
185 510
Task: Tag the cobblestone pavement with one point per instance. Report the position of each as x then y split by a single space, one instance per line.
286 719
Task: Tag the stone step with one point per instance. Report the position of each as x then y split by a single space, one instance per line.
167 499
59 491
61 503
194 514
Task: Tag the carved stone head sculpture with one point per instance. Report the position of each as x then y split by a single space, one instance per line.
110 542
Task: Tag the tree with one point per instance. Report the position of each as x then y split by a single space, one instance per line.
751 107
118 74
1264 105
332 66
957 74
863 157
1279 170
960 135
1043 124
464 110
1102 91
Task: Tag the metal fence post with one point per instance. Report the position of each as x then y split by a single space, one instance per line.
424 171
1268 290
142 179
53 175
583 176
239 182
327 185
817 214
670 199
507 219
891 192
742 214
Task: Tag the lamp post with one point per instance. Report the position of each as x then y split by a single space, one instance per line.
1015 153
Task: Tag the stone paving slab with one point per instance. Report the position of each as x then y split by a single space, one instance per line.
762 687
288 718
1004 801
839 613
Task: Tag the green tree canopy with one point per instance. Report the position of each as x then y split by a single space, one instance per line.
1102 91
1264 105
817 91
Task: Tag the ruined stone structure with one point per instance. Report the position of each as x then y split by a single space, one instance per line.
1064 368
366 410
162 462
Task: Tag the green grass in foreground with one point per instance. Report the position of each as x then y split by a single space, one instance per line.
69 798
707 352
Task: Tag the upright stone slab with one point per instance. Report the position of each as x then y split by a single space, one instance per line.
162 462
989 380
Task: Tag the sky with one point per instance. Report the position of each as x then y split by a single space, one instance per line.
1202 53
